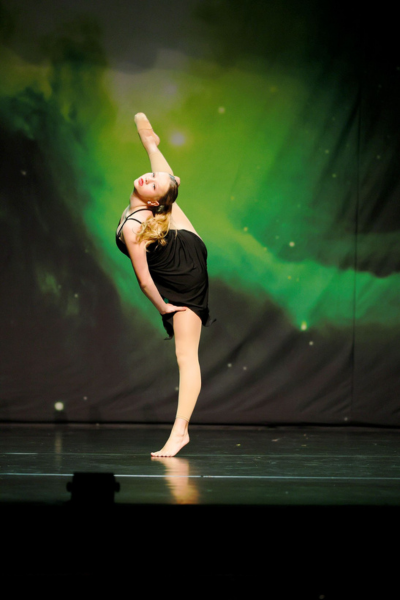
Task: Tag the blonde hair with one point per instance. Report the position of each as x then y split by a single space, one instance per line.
157 227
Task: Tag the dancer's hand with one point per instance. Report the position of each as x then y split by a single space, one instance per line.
170 308
149 139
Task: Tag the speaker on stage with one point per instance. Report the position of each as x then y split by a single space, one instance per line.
93 488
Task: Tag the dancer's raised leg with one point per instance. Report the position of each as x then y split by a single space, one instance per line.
187 331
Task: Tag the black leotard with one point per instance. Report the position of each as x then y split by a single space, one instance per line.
179 271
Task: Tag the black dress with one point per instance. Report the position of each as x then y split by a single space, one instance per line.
179 271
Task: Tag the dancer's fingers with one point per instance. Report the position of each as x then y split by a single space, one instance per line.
170 308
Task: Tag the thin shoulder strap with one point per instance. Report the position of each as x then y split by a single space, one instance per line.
129 218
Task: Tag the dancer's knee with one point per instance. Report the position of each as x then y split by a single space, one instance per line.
186 358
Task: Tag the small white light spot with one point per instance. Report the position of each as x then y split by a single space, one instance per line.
221 110
59 406
177 139
177 389
311 343
291 244
237 444
244 368
76 295
303 326
85 397
346 419
170 89
229 365
275 440
23 173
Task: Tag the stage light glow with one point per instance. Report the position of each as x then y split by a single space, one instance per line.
177 139
59 406
303 326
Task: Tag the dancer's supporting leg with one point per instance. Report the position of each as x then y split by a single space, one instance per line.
187 331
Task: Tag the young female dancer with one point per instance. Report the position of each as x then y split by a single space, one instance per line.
170 262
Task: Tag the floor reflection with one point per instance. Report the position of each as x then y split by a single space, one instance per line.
183 486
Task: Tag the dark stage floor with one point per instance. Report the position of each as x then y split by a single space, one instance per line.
221 465
315 509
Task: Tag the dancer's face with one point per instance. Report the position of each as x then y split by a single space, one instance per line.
152 186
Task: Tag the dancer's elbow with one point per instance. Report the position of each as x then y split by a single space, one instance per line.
144 284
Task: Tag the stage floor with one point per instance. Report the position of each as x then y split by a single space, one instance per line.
311 511
221 465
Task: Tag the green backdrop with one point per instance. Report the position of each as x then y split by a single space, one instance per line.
281 120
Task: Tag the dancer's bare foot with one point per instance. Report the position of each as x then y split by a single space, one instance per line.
178 438
150 139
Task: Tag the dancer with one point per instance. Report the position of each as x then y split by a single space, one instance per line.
170 262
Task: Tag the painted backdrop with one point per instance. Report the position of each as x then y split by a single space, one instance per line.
282 120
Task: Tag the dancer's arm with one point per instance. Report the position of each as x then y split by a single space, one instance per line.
137 253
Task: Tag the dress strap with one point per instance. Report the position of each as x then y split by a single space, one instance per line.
128 218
